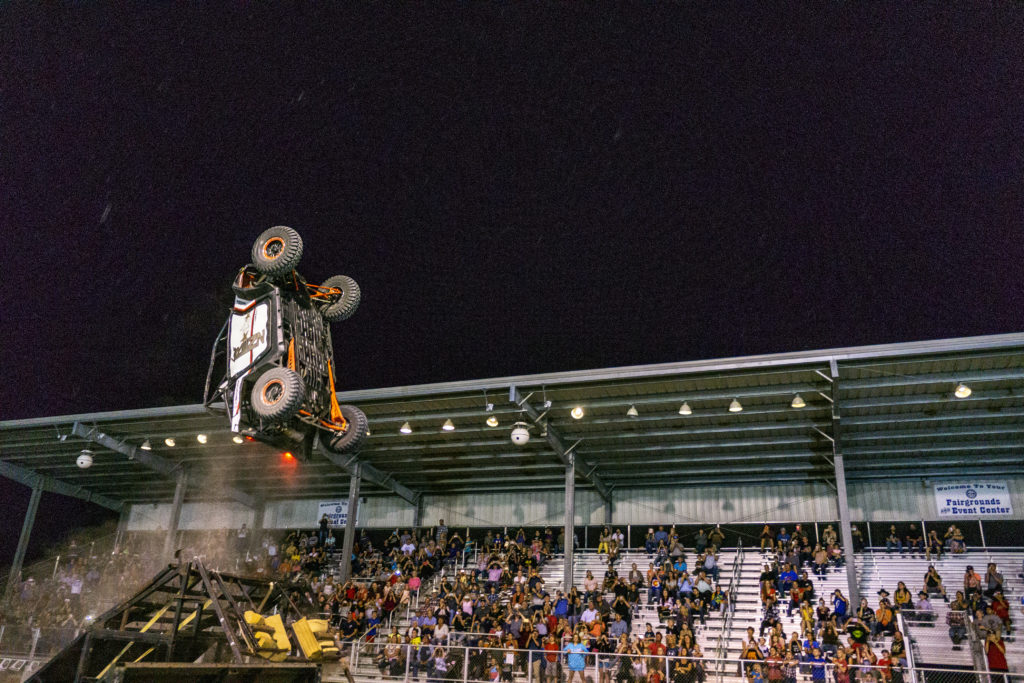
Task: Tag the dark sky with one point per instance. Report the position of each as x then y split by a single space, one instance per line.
516 189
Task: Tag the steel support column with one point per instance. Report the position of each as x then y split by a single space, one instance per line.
417 513
259 519
608 510
355 476
841 497
570 516
180 486
26 531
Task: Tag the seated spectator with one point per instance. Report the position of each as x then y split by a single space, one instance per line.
829 536
993 581
914 539
767 538
933 582
893 540
1001 607
987 622
923 610
700 541
902 599
972 582
955 538
885 619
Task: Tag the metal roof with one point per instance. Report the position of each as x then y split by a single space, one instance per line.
898 413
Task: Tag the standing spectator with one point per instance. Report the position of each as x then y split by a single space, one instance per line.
858 538
325 528
934 545
995 651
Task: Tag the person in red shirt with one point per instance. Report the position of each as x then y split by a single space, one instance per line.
995 650
551 658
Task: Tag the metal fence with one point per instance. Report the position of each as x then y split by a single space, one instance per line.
432 662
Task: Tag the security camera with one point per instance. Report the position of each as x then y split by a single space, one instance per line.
84 459
520 434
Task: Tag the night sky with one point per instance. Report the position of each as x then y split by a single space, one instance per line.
516 189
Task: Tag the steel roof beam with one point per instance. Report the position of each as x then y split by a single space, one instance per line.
167 468
370 473
34 479
952 378
554 439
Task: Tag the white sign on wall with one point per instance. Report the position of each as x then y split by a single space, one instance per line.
336 511
973 499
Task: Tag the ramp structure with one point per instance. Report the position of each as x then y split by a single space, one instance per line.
187 614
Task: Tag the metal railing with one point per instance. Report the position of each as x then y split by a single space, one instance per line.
473 664
730 607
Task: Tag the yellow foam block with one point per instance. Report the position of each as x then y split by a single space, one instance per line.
317 625
253 619
307 641
276 624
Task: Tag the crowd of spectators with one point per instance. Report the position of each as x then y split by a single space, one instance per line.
489 596
498 611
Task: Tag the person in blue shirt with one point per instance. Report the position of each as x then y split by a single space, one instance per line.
561 606
840 607
576 659
786 578
680 565
817 662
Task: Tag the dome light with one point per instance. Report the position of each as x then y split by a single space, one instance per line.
405 428
520 434
84 460
735 406
448 426
685 409
170 442
962 391
492 421
632 412
577 412
201 438
146 445
237 439
798 401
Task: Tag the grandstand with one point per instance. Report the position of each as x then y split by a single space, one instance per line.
698 455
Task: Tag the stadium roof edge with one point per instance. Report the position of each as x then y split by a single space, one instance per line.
917 348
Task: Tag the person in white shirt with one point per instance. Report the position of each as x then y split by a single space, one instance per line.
408 548
589 614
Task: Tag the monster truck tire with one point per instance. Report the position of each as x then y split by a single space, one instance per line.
353 437
278 394
342 307
277 251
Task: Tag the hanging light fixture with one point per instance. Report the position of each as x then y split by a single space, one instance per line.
685 409
170 442
577 412
492 421
632 412
146 445
201 438
237 439
798 401
405 428
448 426
735 406
962 391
